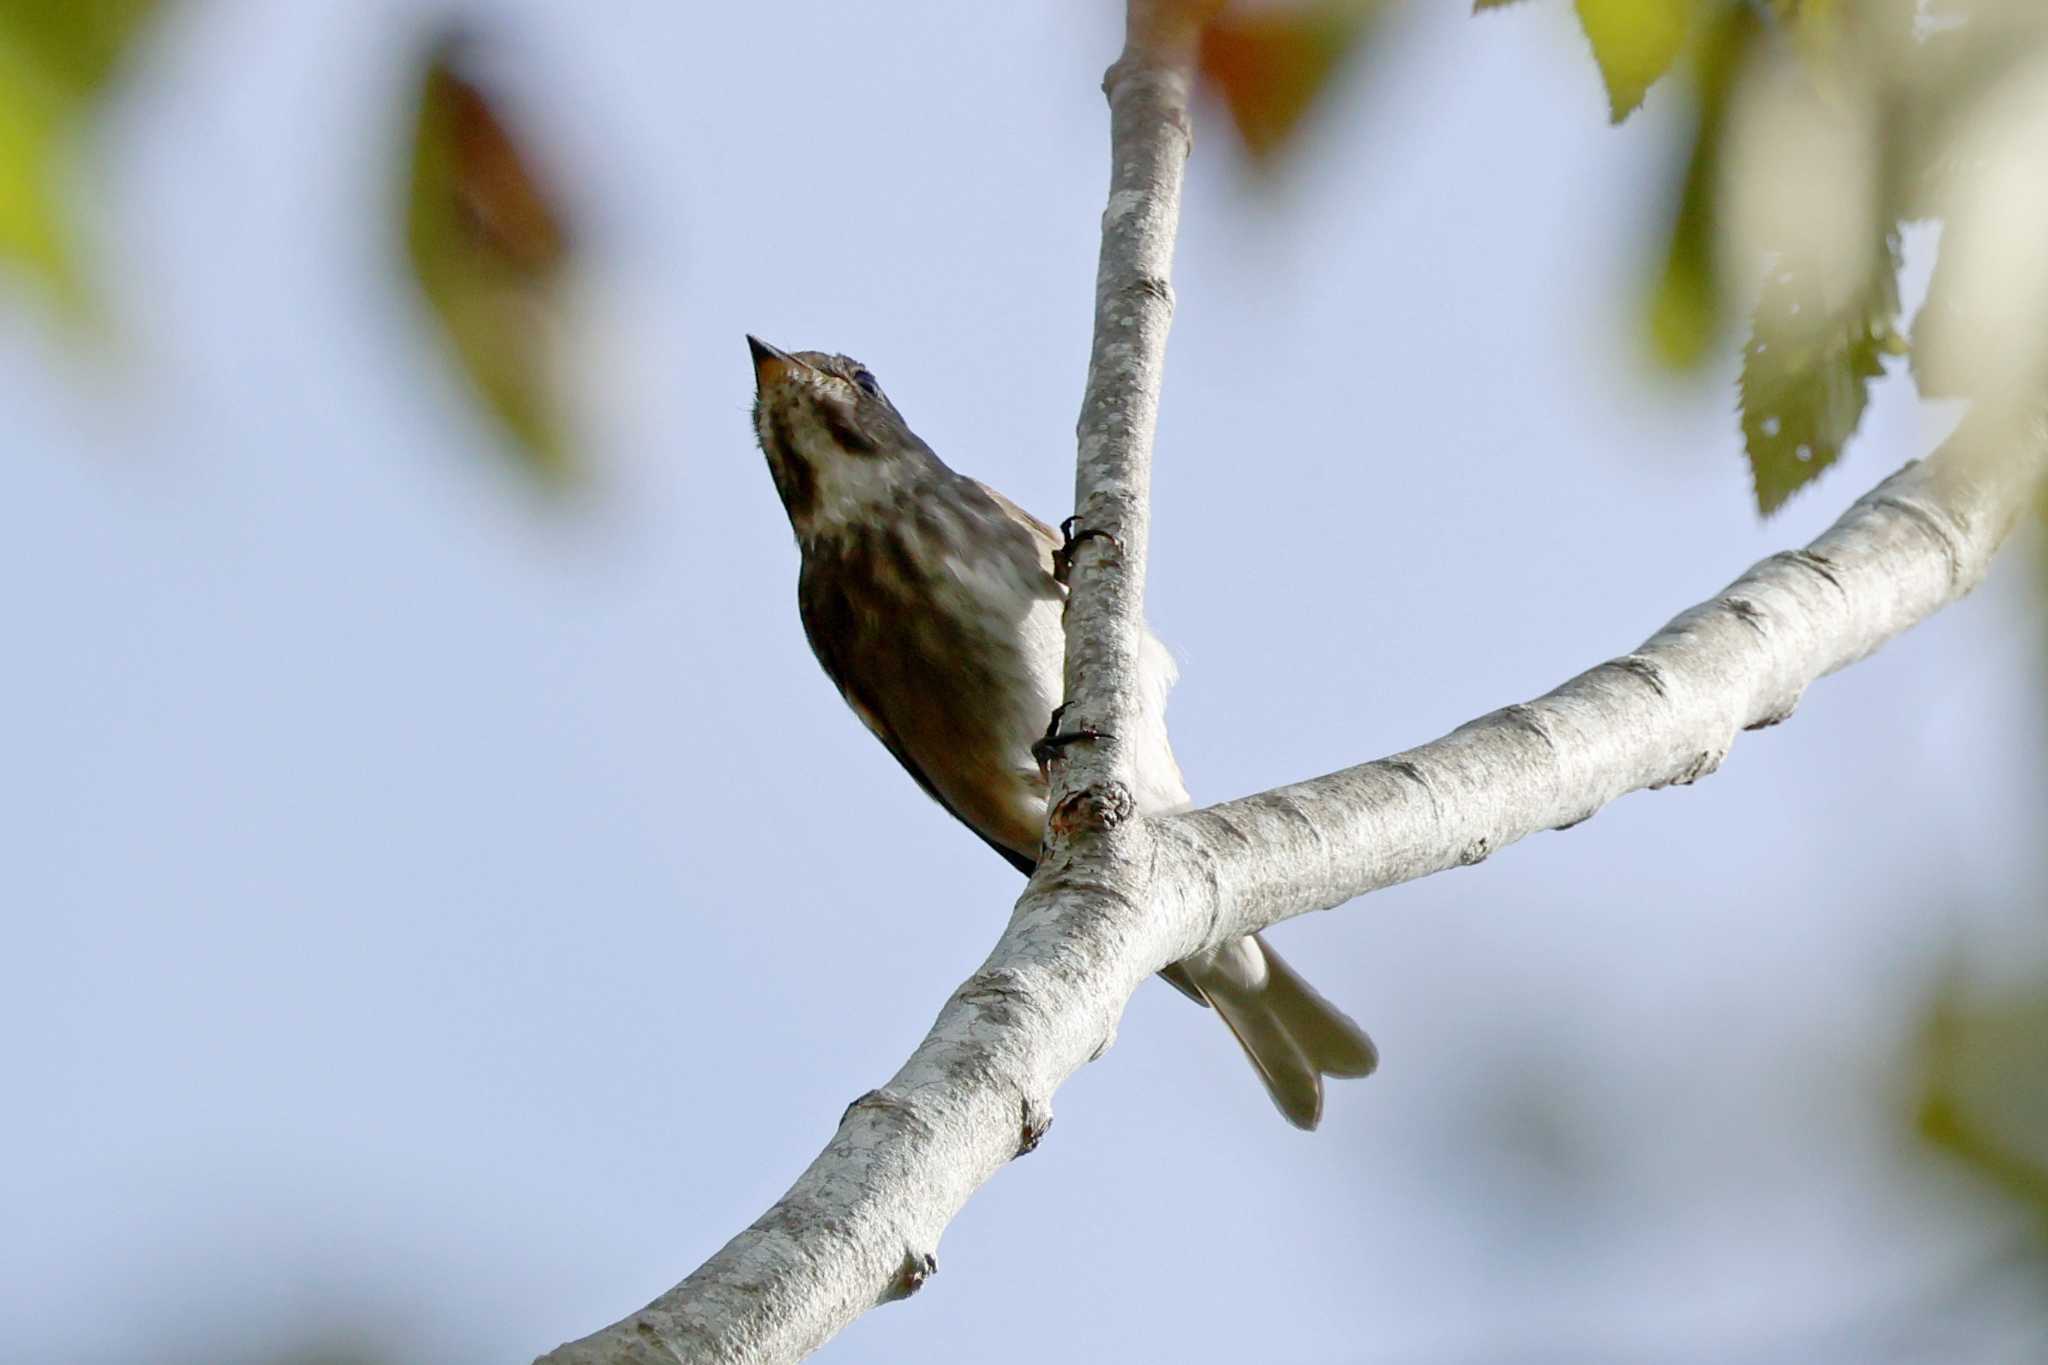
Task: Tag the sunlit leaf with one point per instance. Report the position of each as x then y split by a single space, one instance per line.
489 249
1685 306
1807 367
1815 25
1939 370
1635 42
1983 331
1983 1097
56 57
1270 64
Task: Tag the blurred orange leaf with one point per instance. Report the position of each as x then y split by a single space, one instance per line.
1269 65
488 245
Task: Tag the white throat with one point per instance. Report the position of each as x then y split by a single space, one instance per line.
852 487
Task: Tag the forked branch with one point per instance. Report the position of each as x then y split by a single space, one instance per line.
1120 896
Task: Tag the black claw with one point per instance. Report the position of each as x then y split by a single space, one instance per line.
1044 749
1063 558
1048 748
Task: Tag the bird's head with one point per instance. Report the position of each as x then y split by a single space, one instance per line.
838 449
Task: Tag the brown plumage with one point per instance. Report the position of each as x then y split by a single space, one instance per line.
931 602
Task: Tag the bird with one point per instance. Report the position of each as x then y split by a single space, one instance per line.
934 604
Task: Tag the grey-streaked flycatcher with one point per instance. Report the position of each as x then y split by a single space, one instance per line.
934 604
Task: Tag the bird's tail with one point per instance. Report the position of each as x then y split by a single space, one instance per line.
1293 1036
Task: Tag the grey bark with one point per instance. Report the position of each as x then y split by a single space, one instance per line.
860 1227
1148 92
1119 896
1665 714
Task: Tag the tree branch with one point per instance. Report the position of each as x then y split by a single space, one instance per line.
1150 137
1118 897
1663 715
860 1226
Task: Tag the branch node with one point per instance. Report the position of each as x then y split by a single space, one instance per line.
1093 809
1777 715
1138 66
1524 715
1036 1124
1747 612
992 983
1475 852
1115 75
1150 286
917 1267
1409 771
1934 526
873 1099
1639 666
1702 765
1812 562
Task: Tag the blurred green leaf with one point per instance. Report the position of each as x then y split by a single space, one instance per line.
489 249
1983 1097
76 43
1635 42
1807 367
1685 313
35 222
1480 6
56 57
1270 65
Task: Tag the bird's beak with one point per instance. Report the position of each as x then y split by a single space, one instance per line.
769 363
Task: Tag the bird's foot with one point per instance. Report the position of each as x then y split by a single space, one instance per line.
1055 739
1072 533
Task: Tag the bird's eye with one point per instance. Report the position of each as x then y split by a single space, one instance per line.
867 383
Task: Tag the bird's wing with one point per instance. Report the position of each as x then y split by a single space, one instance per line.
1049 540
831 623
880 729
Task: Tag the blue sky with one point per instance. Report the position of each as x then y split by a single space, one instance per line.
443 917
